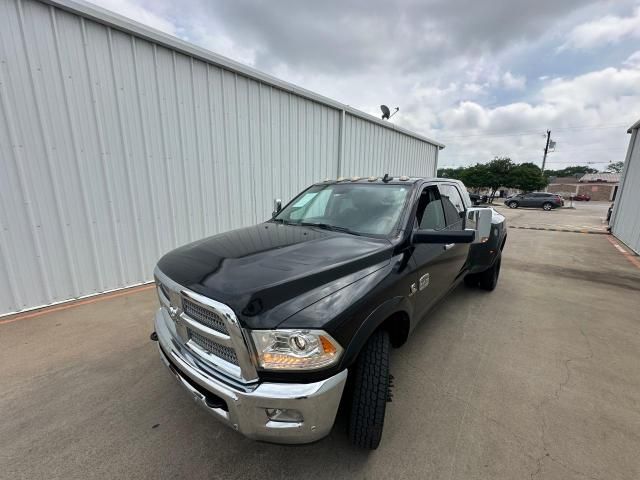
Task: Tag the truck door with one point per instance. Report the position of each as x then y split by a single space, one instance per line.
432 261
454 212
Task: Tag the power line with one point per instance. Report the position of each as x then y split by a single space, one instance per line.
578 162
520 134
563 150
589 150
535 132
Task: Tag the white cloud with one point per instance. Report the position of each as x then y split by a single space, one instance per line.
131 9
587 114
633 60
514 82
593 88
606 30
217 41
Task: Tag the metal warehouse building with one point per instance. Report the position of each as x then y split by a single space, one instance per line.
625 219
119 143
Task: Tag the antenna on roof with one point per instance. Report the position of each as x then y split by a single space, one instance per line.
386 113
386 178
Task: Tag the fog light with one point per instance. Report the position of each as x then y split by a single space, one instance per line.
283 415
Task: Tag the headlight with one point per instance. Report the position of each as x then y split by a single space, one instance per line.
295 349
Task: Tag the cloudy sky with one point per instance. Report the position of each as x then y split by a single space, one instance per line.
486 77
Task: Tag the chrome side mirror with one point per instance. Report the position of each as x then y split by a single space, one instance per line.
479 220
277 206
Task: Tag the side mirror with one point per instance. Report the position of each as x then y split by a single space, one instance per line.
277 206
479 220
477 229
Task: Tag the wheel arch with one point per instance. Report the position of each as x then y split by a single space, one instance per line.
394 316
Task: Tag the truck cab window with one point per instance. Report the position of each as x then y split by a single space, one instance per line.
430 215
453 206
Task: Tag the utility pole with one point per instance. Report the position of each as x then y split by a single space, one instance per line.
546 150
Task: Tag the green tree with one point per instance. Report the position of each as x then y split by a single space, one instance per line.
497 174
475 177
570 171
615 167
527 177
454 173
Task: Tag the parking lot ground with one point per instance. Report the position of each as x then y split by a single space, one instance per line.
536 380
585 217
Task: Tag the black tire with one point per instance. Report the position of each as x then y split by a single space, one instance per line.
370 392
547 206
512 204
471 280
489 278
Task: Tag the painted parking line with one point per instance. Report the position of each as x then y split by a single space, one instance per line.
74 303
632 258
568 230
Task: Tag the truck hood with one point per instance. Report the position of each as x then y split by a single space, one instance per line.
270 271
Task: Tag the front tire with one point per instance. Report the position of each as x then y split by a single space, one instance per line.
547 206
370 392
512 204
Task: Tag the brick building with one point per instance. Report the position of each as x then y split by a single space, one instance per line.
599 186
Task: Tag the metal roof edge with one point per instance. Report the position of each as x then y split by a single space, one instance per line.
112 19
635 126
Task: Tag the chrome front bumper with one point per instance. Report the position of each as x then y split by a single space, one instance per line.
246 406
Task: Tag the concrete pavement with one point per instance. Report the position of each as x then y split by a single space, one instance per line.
538 379
583 216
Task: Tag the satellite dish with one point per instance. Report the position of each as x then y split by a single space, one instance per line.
386 113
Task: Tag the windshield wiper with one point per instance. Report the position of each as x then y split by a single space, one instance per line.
326 226
283 221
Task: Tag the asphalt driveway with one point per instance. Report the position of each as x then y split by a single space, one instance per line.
538 379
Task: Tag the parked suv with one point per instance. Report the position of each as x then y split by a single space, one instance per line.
271 326
544 200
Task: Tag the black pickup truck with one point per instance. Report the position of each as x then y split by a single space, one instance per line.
266 325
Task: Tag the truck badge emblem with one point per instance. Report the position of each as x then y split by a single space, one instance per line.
424 281
173 312
413 289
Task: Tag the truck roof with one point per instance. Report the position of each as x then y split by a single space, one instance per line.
393 180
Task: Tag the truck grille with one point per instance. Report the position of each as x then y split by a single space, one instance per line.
212 347
204 316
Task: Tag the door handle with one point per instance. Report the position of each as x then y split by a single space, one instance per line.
448 246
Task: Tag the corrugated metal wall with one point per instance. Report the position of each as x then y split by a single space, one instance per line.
115 149
372 149
626 221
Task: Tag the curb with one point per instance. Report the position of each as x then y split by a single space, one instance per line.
591 232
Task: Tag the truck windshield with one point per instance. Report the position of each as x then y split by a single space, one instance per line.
359 209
